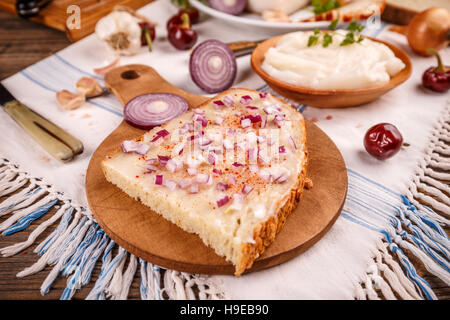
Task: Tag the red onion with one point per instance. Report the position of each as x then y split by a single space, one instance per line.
151 161
187 127
218 104
234 7
263 95
279 120
237 164
192 171
159 179
223 201
232 179
163 160
174 165
245 123
199 118
246 100
213 66
217 171
150 168
221 186
253 118
153 109
281 149
251 155
193 189
282 178
133 146
264 174
219 120
212 159
184 183
263 122
238 200
228 100
247 189
172 185
202 178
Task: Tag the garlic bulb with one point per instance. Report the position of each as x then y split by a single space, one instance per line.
120 31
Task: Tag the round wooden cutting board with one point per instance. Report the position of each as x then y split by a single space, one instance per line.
147 235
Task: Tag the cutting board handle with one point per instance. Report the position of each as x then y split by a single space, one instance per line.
127 82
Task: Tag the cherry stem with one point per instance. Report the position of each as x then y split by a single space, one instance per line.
148 38
185 21
440 67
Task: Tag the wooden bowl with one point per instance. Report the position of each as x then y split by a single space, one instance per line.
329 98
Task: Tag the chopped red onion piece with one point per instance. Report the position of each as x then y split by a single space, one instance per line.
221 186
151 161
201 119
133 146
232 179
223 201
172 185
263 158
263 95
218 104
228 100
238 201
192 171
150 168
253 118
279 120
263 122
261 139
264 174
219 120
193 189
251 154
252 108
163 160
159 179
246 100
282 178
247 189
246 123
216 149
237 164
281 149
202 178
184 183
217 171
212 158
173 165
199 111
231 132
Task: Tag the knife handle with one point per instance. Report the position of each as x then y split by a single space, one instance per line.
60 144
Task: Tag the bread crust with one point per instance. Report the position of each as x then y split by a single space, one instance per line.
264 233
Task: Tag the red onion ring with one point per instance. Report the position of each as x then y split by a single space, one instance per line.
213 66
235 8
153 109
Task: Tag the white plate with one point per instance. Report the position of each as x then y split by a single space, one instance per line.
250 19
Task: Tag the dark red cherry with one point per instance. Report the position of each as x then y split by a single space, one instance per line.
383 141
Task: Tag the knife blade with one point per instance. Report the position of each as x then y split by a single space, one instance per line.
56 141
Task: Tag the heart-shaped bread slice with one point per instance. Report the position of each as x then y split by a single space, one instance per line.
230 171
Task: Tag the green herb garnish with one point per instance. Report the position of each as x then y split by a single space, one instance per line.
312 40
333 25
355 27
327 39
321 6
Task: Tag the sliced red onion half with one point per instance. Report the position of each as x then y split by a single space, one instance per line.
213 66
234 7
153 109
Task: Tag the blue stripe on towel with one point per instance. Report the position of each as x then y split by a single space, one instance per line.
25 221
67 63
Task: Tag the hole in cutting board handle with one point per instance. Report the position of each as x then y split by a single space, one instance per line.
130 75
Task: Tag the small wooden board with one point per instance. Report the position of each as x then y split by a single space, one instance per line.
149 236
55 13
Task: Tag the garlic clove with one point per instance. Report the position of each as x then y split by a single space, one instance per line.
89 87
105 69
68 100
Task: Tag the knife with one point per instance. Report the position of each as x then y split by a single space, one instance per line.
57 142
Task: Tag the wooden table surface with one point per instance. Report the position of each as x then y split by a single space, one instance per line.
23 43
